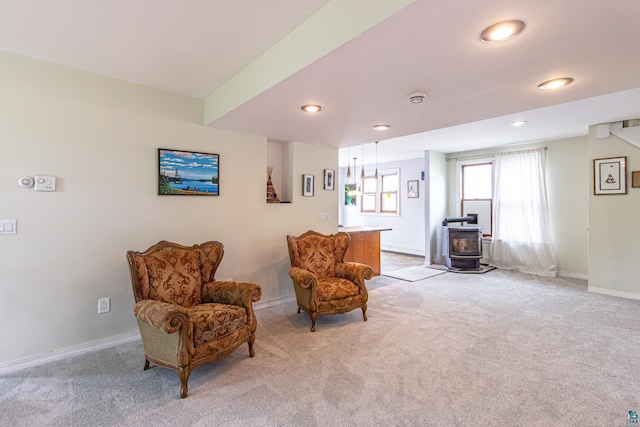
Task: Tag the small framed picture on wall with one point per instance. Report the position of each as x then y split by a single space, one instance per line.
412 189
307 185
610 175
329 175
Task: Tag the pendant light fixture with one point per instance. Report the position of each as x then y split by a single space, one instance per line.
362 173
354 170
354 189
349 167
376 174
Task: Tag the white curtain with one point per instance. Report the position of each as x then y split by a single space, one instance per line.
521 232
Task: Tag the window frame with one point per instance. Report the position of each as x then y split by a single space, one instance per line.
374 193
460 164
379 194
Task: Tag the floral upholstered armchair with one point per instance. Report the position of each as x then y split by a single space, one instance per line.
323 282
186 317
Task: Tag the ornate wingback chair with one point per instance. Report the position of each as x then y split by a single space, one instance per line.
324 283
186 317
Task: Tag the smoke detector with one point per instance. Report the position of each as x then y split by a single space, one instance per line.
417 97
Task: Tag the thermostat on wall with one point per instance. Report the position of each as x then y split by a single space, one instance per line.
45 183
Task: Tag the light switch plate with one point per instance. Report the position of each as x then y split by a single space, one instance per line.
8 226
45 183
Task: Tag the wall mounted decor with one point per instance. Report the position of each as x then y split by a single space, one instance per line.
350 194
187 173
307 185
329 175
272 196
610 175
635 179
412 189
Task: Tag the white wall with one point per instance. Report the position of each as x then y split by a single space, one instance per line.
567 174
99 137
613 232
407 234
436 204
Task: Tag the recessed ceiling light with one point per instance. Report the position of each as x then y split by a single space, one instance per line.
555 83
311 108
381 127
502 31
417 97
517 123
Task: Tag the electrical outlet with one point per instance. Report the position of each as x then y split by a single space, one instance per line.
104 305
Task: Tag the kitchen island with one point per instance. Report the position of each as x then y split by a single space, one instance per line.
364 246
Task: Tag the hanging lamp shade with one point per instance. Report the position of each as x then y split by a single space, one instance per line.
376 174
362 172
354 169
349 167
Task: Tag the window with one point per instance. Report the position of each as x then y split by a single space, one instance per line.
381 196
389 193
369 191
477 192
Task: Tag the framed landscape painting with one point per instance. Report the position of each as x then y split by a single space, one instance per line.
187 173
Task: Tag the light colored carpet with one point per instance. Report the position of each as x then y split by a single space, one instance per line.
499 349
413 274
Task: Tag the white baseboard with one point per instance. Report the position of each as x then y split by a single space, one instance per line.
613 293
402 250
273 302
65 353
568 275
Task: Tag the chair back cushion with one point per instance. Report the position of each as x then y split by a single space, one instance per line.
172 276
318 253
174 273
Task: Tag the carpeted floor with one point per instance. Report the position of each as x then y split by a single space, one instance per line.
495 349
413 274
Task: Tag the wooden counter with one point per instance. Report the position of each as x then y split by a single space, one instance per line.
364 246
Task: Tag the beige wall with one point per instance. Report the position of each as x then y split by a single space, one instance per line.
567 175
613 232
100 137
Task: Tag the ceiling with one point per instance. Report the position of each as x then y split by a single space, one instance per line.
254 63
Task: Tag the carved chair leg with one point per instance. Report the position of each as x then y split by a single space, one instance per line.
252 353
146 364
364 312
184 372
314 316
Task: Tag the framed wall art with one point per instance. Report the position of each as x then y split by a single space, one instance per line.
610 175
350 198
412 189
188 173
307 185
635 179
329 177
